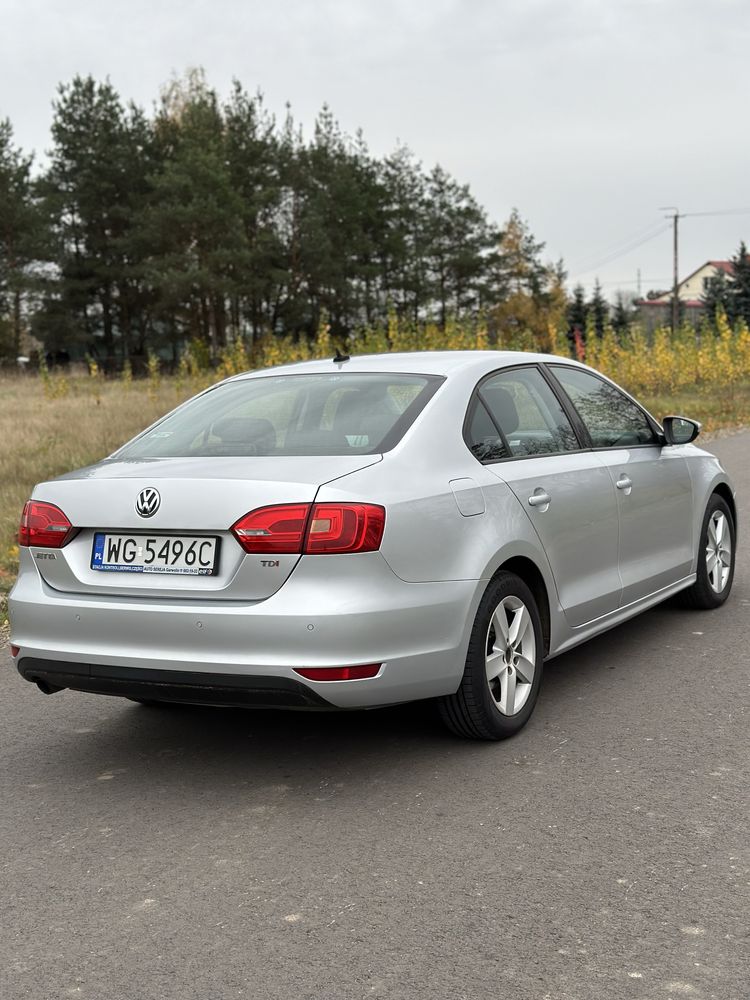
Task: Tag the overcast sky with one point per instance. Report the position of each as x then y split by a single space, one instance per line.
588 115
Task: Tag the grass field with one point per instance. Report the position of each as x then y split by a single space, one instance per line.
47 428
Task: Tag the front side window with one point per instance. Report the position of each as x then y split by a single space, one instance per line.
612 420
326 414
517 414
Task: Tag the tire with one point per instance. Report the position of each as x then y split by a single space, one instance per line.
717 540
501 679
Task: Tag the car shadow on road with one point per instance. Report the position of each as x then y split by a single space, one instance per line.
223 747
213 747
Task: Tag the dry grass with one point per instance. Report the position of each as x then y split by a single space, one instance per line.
715 406
48 429
43 435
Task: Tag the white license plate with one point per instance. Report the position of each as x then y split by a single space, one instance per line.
184 554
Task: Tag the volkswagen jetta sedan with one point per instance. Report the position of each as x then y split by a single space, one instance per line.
360 532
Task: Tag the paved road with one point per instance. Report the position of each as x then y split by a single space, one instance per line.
601 854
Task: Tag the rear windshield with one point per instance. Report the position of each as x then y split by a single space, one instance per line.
329 414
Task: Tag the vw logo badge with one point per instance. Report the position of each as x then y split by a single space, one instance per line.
147 502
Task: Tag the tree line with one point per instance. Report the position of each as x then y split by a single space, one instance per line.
212 221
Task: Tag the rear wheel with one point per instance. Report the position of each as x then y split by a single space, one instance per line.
715 558
503 670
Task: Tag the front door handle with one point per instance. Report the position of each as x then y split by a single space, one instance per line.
624 483
539 499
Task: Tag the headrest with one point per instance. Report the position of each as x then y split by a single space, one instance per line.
242 429
502 406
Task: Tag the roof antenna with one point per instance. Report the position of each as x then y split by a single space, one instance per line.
340 358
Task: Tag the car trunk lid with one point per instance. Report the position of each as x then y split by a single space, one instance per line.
198 497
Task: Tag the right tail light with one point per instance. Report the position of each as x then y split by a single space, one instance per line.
312 529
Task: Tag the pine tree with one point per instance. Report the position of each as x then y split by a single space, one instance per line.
94 185
577 311
598 309
190 227
20 238
622 314
716 295
459 244
738 290
253 160
405 280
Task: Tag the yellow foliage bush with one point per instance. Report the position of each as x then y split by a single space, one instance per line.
663 363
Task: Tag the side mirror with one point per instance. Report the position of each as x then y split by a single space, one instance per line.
680 430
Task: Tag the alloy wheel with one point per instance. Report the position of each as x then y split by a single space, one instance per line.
718 551
510 658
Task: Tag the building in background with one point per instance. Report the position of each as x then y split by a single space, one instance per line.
656 309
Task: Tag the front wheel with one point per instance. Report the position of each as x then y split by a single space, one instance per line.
503 670
715 570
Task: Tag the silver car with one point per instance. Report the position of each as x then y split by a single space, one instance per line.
360 532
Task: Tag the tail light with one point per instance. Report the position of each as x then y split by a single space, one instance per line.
345 527
312 529
277 529
44 525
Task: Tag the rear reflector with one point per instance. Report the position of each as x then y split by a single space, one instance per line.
313 529
14 650
44 525
339 673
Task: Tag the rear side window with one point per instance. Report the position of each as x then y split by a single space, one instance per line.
485 441
612 420
327 414
526 415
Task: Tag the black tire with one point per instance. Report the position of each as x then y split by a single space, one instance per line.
472 712
701 595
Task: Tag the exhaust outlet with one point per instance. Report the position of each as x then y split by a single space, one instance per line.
47 688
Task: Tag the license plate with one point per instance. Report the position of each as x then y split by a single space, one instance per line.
187 555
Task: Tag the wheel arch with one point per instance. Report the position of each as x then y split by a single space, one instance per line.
723 490
531 575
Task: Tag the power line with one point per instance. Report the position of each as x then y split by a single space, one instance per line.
625 246
614 247
721 211
633 281
633 245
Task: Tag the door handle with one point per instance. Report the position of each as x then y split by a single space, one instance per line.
624 483
539 499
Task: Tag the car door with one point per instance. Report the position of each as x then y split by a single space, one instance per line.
517 427
654 490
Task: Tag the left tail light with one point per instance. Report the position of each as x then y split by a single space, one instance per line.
44 525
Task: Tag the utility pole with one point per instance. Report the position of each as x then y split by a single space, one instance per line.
675 217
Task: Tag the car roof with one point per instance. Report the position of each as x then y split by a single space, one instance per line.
445 363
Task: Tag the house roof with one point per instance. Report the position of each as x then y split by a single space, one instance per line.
721 265
666 303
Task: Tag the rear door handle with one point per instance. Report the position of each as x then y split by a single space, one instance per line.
623 483
539 499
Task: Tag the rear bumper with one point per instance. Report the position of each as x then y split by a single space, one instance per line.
355 612
189 687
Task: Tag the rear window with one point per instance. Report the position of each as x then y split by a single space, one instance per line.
327 414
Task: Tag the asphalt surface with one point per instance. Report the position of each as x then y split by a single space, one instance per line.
188 853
